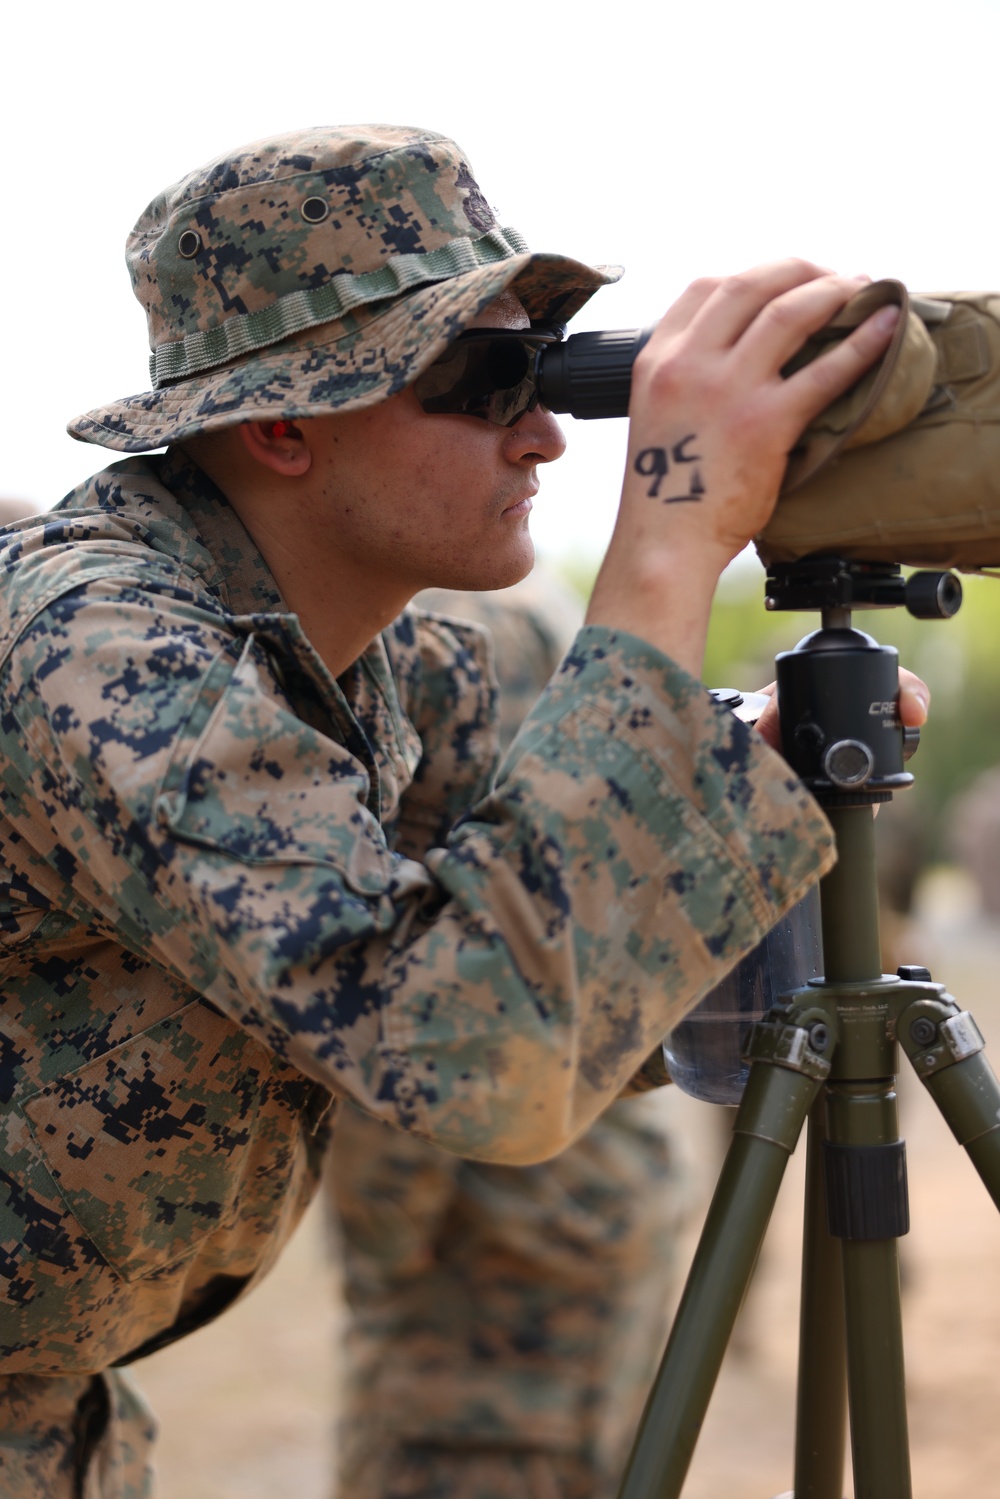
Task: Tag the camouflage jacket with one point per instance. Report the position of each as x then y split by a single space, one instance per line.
209 918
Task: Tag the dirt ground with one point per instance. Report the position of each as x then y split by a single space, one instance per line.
248 1405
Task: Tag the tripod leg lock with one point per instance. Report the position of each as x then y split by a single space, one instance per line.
935 1034
790 1052
801 1039
948 1055
866 1196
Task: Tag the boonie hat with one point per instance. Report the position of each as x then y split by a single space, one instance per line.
317 272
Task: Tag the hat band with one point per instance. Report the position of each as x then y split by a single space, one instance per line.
309 307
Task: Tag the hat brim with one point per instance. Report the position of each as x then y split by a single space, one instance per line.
341 366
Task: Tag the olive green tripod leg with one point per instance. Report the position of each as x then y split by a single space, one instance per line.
862 1120
821 1403
767 1127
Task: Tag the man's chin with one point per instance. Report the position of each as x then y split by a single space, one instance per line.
513 569
485 573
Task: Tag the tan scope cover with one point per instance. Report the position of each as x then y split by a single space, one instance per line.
906 466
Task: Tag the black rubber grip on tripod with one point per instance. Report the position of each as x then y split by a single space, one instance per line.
866 1196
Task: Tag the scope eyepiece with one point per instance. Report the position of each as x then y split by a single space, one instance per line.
589 375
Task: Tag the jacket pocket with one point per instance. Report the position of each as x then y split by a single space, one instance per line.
255 783
150 1143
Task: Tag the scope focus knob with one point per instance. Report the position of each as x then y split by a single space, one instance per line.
848 764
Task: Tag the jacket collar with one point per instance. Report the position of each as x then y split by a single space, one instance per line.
235 565
171 506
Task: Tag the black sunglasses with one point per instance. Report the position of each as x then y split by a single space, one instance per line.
488 372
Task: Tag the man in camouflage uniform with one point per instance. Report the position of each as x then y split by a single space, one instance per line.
504 1321
222 728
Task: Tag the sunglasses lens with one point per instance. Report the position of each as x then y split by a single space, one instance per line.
492 378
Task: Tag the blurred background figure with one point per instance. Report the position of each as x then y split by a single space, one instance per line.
903 832
503 1323
975 837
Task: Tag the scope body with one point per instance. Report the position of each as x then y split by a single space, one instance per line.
589 375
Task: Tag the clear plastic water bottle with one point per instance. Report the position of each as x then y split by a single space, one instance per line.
705 1052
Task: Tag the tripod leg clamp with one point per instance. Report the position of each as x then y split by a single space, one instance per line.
789 1052
946 1049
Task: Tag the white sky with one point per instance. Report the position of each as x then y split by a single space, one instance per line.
676 139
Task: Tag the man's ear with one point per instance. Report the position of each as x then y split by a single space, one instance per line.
279 445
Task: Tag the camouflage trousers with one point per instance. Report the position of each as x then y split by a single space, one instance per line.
504 1323
74 1436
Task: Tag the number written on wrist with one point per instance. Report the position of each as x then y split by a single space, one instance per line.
657 463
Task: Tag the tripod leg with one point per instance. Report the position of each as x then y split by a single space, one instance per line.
767 1127
821 1407
868 1196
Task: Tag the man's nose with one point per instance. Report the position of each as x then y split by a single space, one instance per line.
537 437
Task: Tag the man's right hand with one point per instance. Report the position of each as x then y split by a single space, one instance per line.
712 421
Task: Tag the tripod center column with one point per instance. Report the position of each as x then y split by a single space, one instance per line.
849 901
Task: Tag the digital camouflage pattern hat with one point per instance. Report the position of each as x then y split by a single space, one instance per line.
316 272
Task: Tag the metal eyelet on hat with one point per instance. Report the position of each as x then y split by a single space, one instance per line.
189 244
314 210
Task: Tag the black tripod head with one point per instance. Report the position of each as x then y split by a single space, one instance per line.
838 690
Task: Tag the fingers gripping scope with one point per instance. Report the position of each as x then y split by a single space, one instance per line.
904 467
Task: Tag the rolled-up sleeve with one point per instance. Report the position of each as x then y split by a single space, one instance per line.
493 997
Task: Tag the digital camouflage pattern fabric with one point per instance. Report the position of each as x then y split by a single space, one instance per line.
85 1436
206 931
313 272
504 1322
530 628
